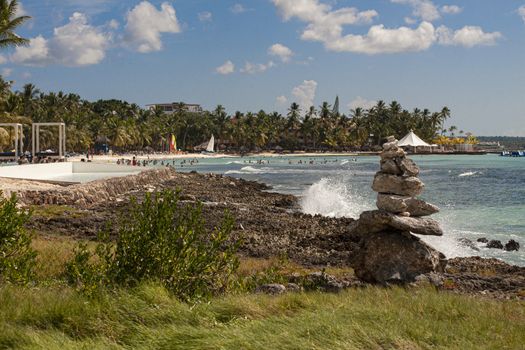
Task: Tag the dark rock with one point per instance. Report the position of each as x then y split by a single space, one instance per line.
482 240
292 287
404 186
495 244
389 257
468 243
323 281
379 220
512 245
272 288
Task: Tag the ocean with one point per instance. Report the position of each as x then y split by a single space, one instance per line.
479 196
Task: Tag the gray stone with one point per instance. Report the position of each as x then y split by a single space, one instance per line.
404 186
389 166
272 288
390 146
407 166
379 220
388 257
393 153
398 204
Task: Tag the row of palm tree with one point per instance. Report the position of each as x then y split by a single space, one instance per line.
127 127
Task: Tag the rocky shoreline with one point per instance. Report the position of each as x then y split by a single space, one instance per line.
270 223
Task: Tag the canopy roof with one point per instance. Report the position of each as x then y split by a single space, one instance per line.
413 140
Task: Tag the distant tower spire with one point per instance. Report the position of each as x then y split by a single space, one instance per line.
336 105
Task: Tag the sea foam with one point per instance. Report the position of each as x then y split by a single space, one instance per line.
333 198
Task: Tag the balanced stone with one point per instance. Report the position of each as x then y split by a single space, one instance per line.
398 204
389 166
403 186
378 220
393 153
407 166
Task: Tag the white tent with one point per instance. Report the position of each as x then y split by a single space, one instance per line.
413 140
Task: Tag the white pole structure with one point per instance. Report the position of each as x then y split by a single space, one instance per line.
19 137
61 138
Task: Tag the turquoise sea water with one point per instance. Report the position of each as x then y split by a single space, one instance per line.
479 196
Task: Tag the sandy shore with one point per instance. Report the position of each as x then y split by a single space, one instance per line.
114 158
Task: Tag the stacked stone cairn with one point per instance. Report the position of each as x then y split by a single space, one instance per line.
389 252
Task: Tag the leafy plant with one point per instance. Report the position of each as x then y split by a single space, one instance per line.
163 241
17 258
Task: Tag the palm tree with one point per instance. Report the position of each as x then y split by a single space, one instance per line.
8 24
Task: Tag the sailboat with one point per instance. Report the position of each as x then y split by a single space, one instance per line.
211 145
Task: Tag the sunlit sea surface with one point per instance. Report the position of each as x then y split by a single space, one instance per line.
479 196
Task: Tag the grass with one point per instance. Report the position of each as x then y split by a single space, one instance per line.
52 210
51 315
149 318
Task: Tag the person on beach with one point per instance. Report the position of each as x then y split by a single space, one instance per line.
134 161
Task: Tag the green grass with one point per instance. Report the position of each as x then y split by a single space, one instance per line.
149 318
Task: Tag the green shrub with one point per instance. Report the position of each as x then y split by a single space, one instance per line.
161 240
17 258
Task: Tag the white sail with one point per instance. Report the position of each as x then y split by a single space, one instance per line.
211 144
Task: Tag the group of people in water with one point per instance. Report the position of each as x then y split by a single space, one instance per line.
193 162
168 163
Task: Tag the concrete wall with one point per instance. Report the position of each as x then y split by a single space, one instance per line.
49 171
36 171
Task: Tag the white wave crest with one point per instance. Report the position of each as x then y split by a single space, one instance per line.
333 198
251 170
469 173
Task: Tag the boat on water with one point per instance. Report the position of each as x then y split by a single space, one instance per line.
512 154
210 148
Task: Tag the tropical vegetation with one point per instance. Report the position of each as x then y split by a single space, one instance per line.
126 126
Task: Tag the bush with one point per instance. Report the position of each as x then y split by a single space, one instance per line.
161 240
17 258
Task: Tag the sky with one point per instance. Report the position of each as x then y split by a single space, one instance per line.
468 55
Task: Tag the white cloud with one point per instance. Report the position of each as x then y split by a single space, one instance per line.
34 54
3 59
113 24
227 68
281 100
205 16
304 94
410 20
26 75
253 68
78 43
424 9
468 36
145 24
451 9
360 102
384 40
75 44
521 12
6 72
238 8
326 25
281 51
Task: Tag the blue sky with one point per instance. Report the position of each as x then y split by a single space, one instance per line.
264 54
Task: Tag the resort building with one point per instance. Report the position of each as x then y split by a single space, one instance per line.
176 106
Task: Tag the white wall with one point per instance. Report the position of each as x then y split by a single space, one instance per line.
36 171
